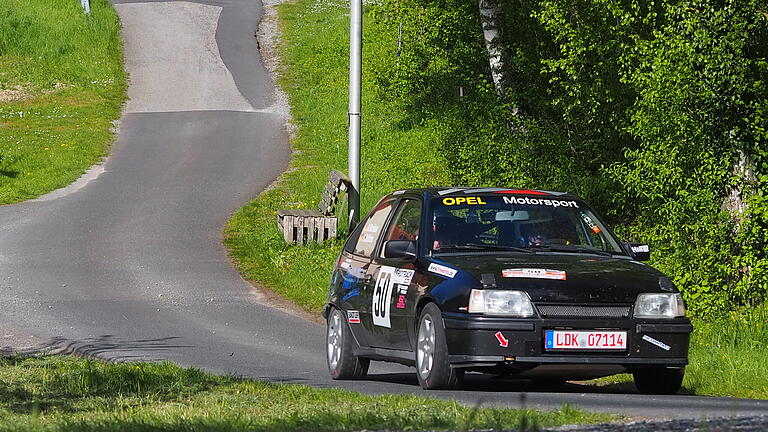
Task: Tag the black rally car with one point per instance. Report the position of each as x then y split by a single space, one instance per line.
516 282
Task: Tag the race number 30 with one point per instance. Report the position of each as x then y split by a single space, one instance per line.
382 293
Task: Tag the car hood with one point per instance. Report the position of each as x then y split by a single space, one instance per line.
588 278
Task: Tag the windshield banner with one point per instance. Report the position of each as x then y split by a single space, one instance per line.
540 201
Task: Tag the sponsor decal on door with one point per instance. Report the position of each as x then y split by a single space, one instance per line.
382 293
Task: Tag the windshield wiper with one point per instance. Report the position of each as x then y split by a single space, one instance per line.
481 246
573 249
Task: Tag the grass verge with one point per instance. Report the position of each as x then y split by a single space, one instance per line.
728 356
395 153
61 85
67 393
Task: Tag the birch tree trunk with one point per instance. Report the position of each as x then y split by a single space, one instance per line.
492 23
490 18
735 201
744 171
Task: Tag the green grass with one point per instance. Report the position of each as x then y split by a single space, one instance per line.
728 356
395 152
61 85
73 394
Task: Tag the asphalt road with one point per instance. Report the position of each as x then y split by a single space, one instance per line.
128 263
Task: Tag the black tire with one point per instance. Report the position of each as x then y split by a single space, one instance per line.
340 352
440 375
659 380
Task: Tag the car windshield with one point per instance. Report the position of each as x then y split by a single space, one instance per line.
497 222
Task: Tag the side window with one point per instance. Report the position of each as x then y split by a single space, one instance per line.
371 230
406 224
349 245
592 232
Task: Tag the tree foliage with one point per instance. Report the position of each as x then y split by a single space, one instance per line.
642 107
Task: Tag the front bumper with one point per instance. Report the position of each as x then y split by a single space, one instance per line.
472 342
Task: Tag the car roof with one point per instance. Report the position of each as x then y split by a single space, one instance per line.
453 191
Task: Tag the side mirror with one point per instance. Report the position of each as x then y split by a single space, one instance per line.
638 251
400 250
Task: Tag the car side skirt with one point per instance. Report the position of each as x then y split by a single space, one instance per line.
407 358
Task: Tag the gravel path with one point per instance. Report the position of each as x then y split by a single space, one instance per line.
741 424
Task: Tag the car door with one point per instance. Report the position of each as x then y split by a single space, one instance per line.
363 251
396 292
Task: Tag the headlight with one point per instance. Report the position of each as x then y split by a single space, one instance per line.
500 302
659 306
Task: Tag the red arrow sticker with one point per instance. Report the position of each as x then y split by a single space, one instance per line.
502 340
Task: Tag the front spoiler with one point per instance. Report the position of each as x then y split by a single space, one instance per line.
472 342
481 361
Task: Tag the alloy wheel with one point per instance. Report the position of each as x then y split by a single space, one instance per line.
334 340
425 355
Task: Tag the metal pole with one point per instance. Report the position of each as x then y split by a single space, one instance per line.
355 76
86 5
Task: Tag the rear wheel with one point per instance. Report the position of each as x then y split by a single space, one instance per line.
659 380
432 366
342 361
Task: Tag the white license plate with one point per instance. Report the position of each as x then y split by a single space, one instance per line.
585 340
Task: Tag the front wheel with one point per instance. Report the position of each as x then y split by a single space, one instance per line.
433 369
659 380
342 361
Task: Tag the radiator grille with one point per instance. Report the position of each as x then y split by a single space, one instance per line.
584 311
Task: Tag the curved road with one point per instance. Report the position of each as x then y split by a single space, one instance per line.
128 263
